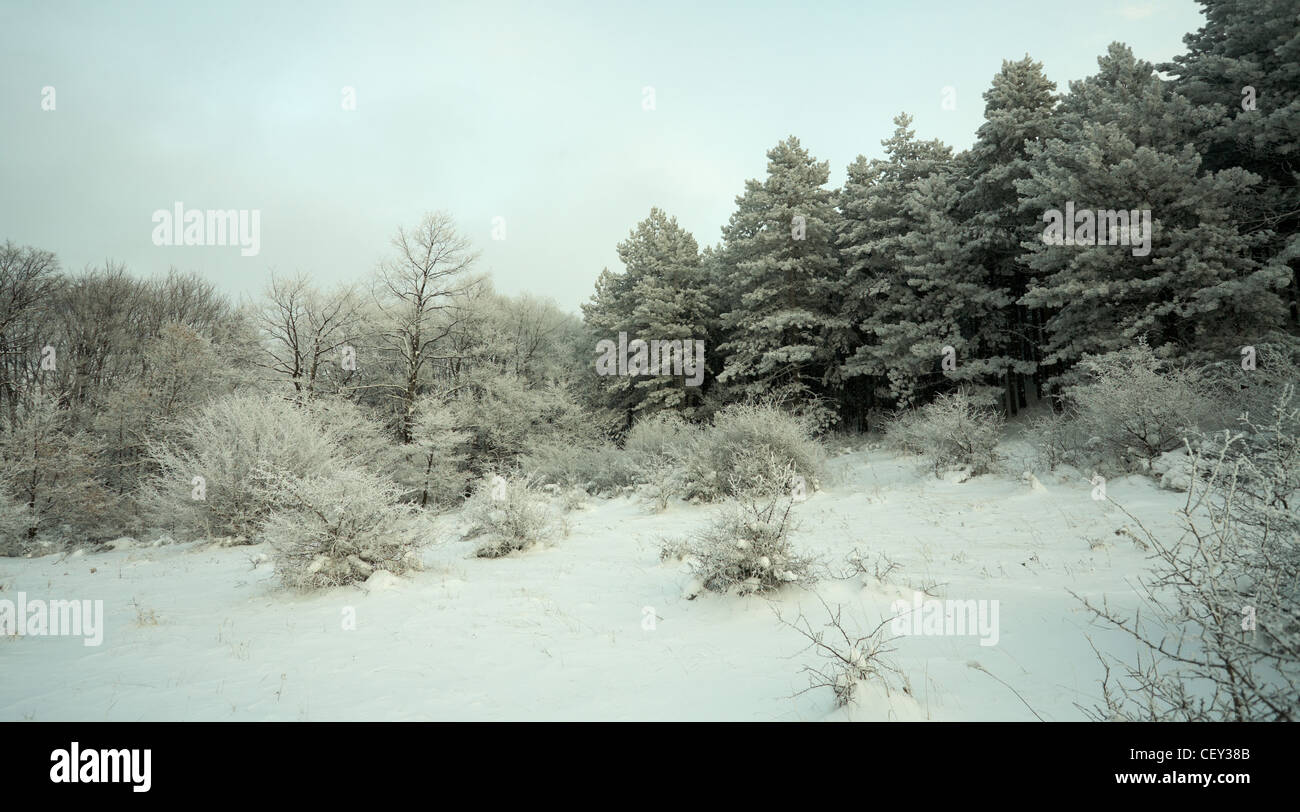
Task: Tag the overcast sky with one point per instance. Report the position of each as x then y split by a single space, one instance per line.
530 111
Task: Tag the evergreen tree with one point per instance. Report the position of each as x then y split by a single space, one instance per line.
1017 113
663 294
1125 144
956 333
1244 66
879 306
670 304
781 261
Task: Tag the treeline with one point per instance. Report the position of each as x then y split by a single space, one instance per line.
928 271
131 404
109 378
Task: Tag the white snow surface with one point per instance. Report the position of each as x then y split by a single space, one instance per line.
198 631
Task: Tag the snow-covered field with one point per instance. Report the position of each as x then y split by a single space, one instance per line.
203 632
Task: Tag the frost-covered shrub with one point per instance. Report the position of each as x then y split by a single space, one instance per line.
1134 406
663 484
506 418
206 485
1056 439
513 513
1265 456
436 473
747 548
951 433
339 528
672 549
848 660
595 468
1219 635
54 471
1275 364
903 432
735 452
361 440
664 436
657 448
15 520
572 499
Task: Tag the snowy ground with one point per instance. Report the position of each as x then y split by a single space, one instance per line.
200 632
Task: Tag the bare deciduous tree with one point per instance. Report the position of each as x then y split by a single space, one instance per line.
416 292
307 329
29 280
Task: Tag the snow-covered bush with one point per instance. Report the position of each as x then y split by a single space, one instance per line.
663 436
505 418
903 432
1220 640
53 469
673 549
206 484
1057 439
1266 462
180 369
1234 389
339 527
734 454
596 468
359 439
951 433
437 475
1134 406
848 659
663 484
746 549
512 512
658 448
15 520
572 499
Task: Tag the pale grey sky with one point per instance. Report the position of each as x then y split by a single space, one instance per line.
528 111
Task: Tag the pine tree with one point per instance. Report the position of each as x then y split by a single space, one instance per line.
1244 66
1017 112
663 294
781 261
1125 144
879 306
956 335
